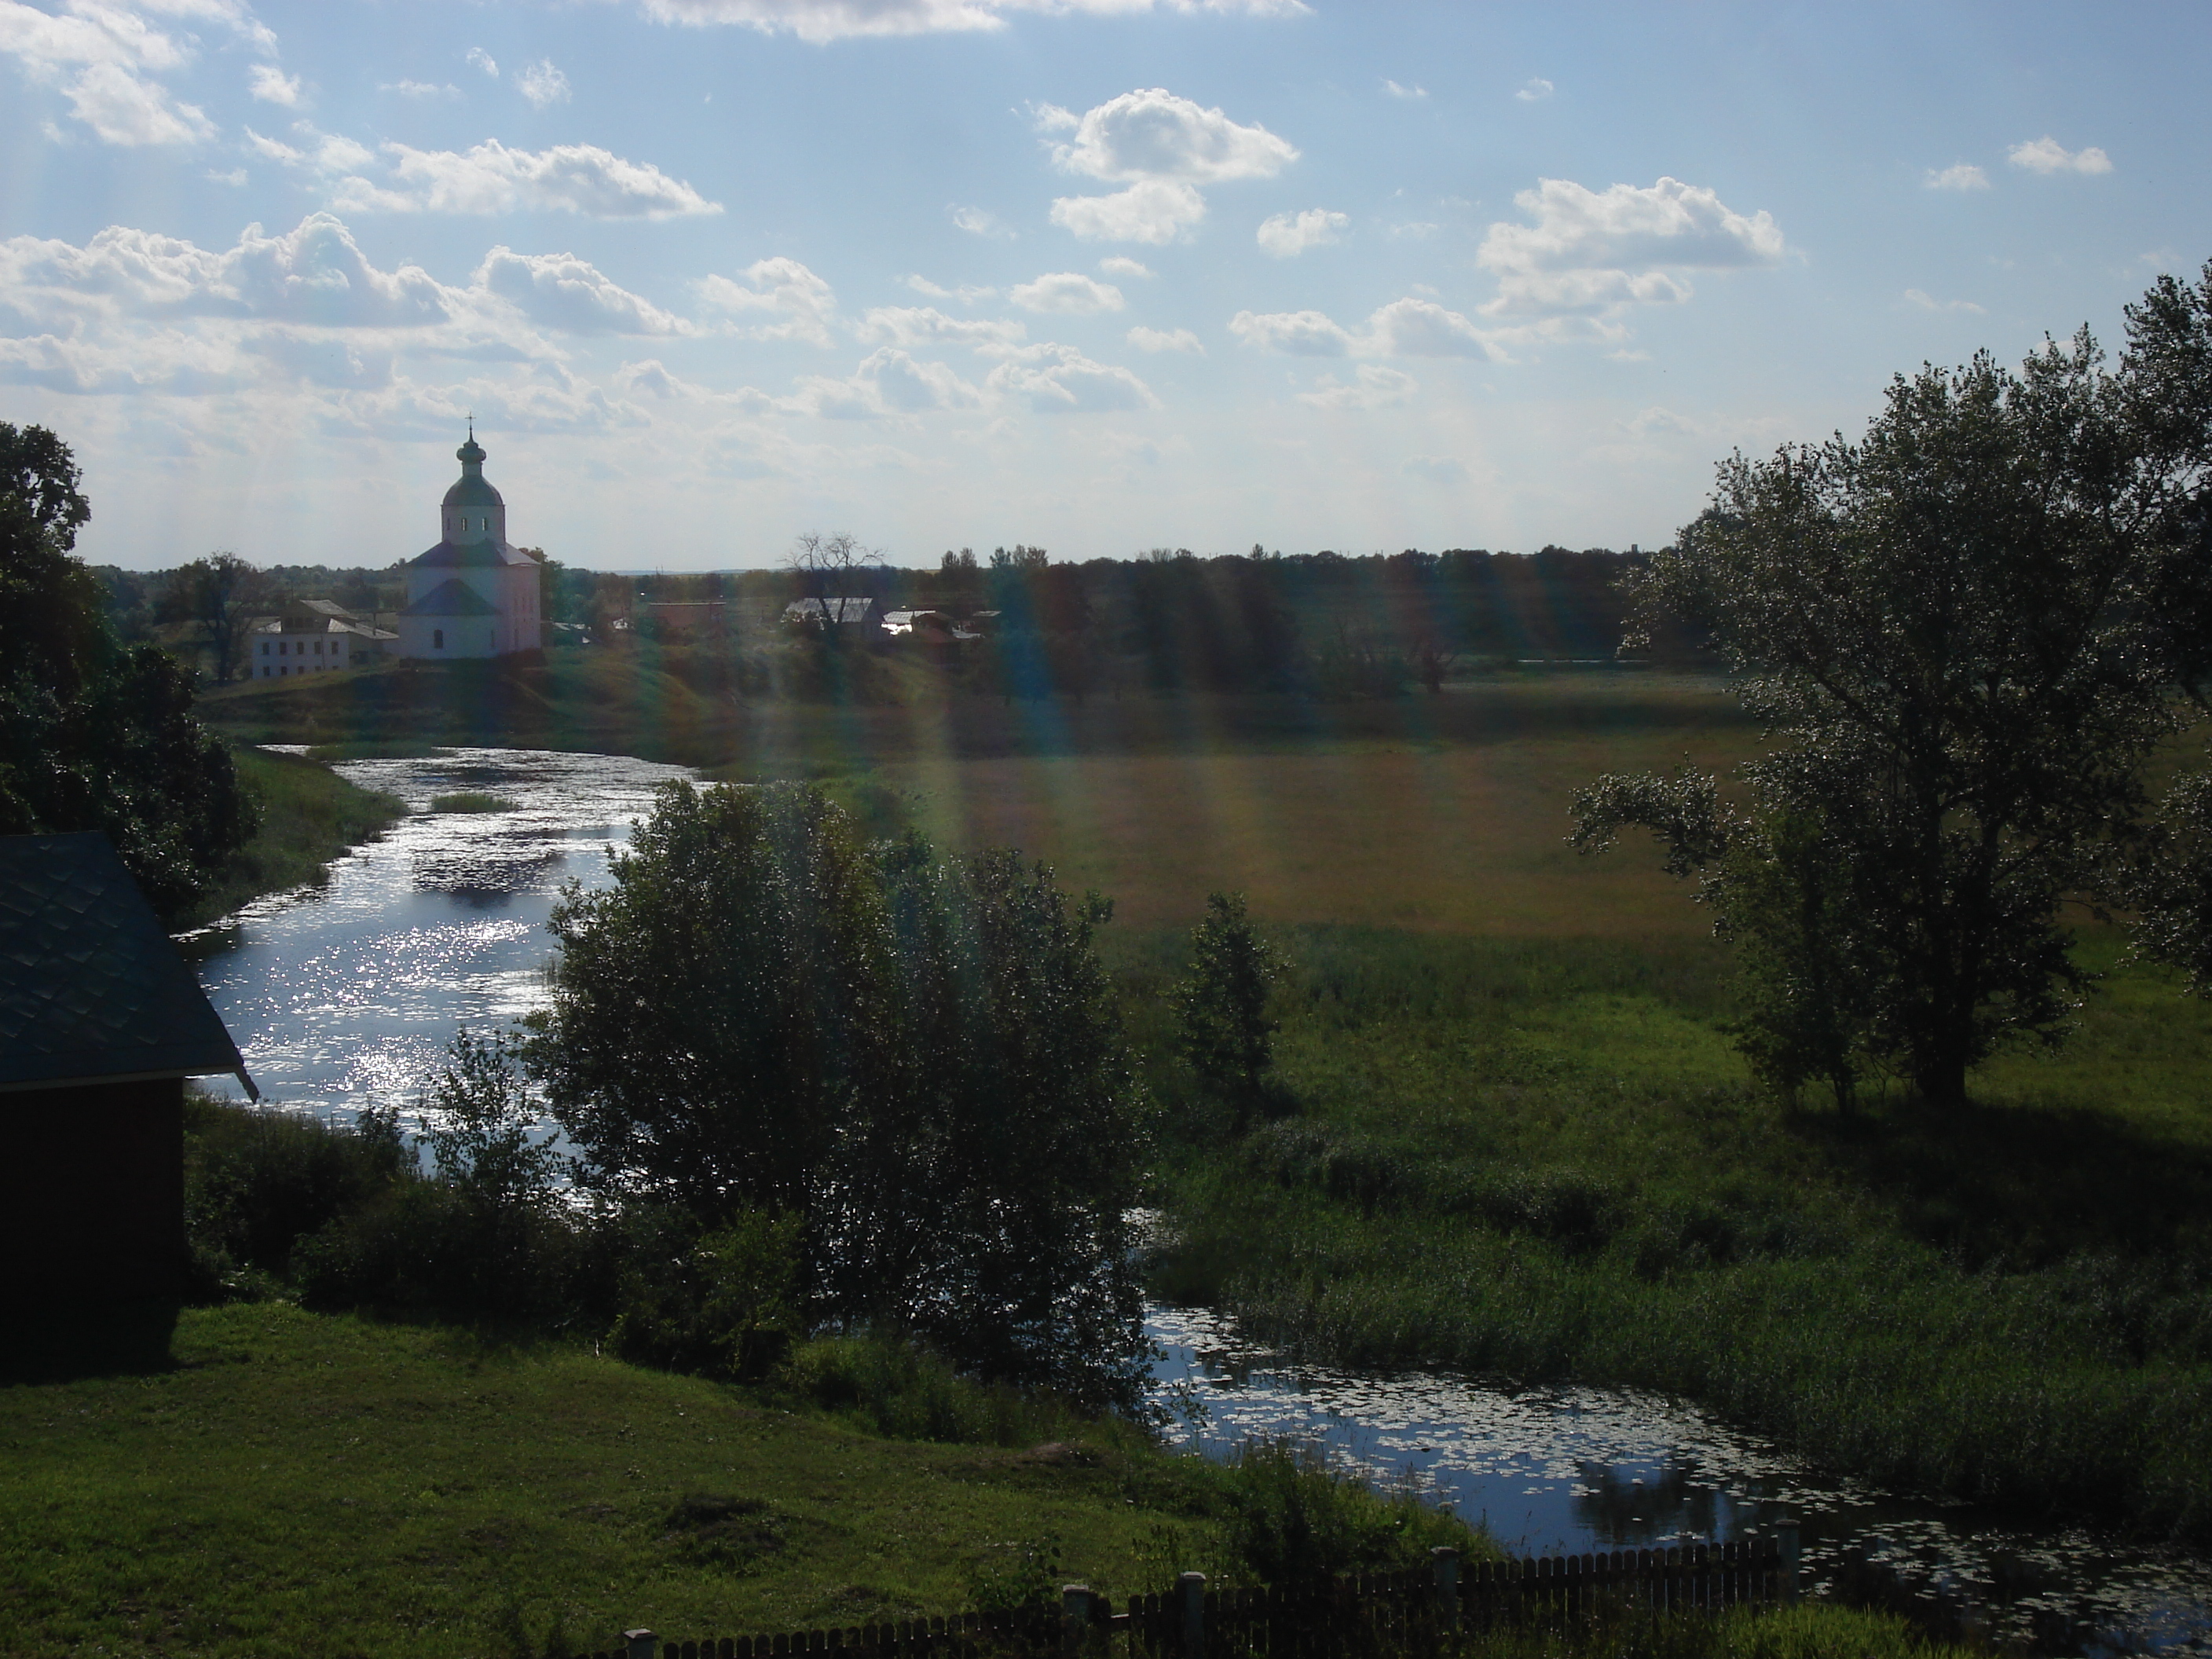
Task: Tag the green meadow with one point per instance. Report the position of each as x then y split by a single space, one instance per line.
1523 1142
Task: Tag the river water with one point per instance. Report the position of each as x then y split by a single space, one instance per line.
346 995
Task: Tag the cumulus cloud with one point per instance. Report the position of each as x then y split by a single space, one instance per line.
103 53
1404 328
273 86
1300 333
420 89
1067 292
889 381
1959 175
565 292
1154 212
802 305
479 59
1156 135
542 84
968 293
1288 235
580 179
1372 387
911 326
1397 91
821 21
1589 251
1926 301
1153 339
1120 264
1058 379
979 222
1534 89
2047 155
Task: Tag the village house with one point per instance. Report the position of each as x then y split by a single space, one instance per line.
839 612
311 636
474 594
101 1022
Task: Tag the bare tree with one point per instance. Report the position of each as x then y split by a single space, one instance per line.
829 568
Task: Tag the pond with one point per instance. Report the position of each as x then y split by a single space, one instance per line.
346 996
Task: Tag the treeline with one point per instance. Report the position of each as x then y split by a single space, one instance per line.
1324 624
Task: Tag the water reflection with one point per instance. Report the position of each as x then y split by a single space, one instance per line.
346 995
1578 1469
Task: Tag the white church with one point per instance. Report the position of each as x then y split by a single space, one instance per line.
473 594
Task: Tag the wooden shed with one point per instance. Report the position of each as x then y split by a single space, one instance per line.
101 1022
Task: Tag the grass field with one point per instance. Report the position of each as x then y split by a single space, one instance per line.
302 1484
309 816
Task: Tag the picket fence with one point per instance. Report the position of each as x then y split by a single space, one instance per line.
1414 1612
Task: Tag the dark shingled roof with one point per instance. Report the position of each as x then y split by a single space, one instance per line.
478 554
90 986
451 598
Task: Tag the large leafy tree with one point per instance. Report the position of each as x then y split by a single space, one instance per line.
95 736
1970 626
217 597
915 1057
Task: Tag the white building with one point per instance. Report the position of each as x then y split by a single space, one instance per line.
473 594
314 636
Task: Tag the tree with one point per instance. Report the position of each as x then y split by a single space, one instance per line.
829 569
95 736
1956 622
483 1141
916 1058
217 596
1225 1029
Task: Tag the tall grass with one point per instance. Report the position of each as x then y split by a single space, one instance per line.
1545 1161
309 816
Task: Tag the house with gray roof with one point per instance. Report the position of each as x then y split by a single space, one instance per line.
101 1022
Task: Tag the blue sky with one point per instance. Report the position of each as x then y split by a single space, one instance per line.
1100 274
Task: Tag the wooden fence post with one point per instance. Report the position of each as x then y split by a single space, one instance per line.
1193 1586
1074 1617
643 1643
1445 1560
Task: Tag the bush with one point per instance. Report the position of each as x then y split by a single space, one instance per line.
1290 1517
259 1181
908 1393
720 1302
427 1248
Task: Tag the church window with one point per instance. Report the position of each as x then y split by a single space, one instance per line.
437 639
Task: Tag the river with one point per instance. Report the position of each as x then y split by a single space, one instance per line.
346 995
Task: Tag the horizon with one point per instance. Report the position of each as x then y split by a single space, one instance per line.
1095 275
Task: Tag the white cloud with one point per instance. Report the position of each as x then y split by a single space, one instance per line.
1418 230
821 21
1300 333
580 179
1436 469
1288 235
1067 292
979 222
123 108
1397 91
234 178
1421 328
327 153
1120 264
804 303
479 59
1590 252
968 294
565 292
1153 339
1373 387
542 84
1404 328
1058 379
1534 89
911 326
420 89
1154 135
273 86
1959 175
2047 155
889 381
1153 212
1924 301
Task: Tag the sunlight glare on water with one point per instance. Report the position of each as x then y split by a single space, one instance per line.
347 995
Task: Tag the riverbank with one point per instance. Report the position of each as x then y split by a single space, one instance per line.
1542 1159
309 816
294 1483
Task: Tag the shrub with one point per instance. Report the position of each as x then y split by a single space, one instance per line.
720 1303
1290 1517
259 1181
